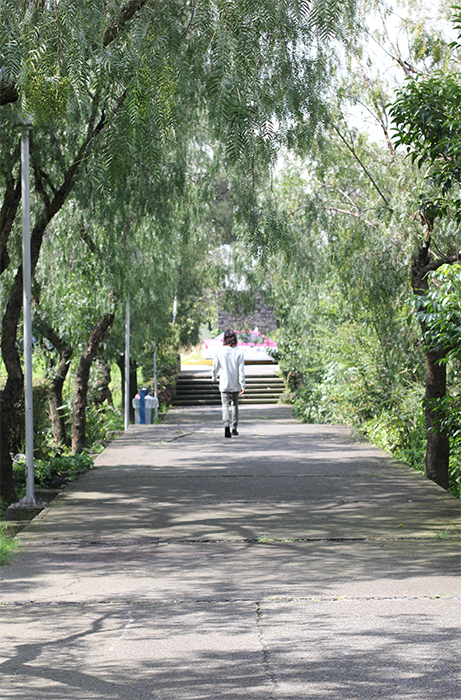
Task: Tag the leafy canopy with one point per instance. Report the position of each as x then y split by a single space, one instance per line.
427 121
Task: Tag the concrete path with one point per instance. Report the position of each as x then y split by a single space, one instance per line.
293 561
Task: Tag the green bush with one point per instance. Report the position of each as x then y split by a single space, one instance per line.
454 468
99 421
347 380
67 467
42 432
402 435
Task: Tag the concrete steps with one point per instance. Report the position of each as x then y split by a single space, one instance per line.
198 391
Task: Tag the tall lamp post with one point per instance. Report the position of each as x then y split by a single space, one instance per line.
127 365
29 503
29 498
155 381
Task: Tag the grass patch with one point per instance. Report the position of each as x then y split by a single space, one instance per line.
447 534
7 547
54 472
264 539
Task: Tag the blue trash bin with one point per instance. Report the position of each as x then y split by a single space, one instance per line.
142 405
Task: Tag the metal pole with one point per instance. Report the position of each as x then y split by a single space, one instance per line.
155 379
127 365
29 498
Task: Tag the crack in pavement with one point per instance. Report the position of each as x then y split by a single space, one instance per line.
185 601
265 650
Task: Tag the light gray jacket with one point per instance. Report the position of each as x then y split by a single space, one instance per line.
230 366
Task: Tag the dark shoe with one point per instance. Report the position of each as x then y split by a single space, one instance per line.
227 432
234 431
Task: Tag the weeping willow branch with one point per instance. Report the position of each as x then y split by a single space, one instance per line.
363 166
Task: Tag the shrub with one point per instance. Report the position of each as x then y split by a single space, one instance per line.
62 467
42 434
99 421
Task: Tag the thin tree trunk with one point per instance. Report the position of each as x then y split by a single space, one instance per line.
82 379
437 454
11 201
102 391
13 387
7 491
55 400
436 459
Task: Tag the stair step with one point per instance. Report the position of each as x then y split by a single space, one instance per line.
215 392
197 402
248 381
200 391
248 402
215 389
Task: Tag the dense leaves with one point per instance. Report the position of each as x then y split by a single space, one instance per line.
427 115
440 310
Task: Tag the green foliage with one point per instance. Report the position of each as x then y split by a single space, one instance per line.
7 547
427 123
168 366
340 375
349 345
454 471
100 421
403 435
47 91
401 432
66 466
439 310
426 116
41 421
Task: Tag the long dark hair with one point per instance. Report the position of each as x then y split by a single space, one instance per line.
230 338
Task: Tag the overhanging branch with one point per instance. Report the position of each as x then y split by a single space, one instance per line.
362 165
9 92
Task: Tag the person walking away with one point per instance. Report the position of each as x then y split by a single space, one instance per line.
229 365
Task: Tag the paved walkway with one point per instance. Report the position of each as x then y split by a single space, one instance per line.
291 562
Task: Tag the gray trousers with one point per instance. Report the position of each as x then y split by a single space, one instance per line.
228 398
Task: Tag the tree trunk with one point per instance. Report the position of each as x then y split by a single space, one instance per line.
82 379
438 444
102 391
56 403
133 384
437 455
11 201
7 491
13 388
55 400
